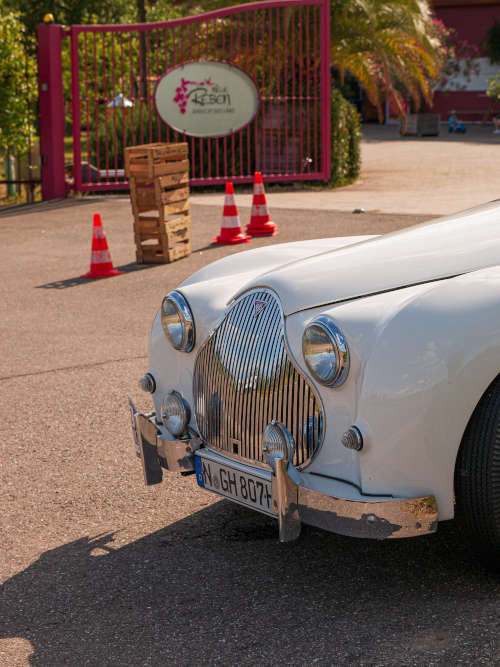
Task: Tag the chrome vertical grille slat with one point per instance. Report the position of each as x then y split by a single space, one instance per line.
244 378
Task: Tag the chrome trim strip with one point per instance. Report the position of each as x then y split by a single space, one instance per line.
381 517
245 376
182 307
376 519
341 351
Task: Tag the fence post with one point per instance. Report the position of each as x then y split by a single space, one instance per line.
51 110
326 91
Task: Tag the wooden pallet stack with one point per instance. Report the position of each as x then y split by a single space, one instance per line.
158 175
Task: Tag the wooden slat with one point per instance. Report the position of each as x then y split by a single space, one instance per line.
179 251
148 227
178 223
157 149
177 207
179 194
170 167
173 180
143 235
141 172
151 249
177 236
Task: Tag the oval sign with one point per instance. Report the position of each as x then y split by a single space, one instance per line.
206 98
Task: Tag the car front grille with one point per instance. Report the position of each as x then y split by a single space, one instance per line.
244 378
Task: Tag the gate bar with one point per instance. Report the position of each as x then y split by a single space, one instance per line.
325 93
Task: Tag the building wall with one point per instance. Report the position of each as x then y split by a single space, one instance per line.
471 21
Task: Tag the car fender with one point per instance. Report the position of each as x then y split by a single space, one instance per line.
430 365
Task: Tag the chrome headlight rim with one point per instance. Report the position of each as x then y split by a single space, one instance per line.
340 349
186 320
186 413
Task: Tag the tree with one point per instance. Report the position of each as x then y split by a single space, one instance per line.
68 12
17 85
392 47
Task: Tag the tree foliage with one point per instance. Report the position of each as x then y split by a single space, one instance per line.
68 12
392 48
17 85
491 43
77 12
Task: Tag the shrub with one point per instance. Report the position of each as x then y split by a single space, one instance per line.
346 138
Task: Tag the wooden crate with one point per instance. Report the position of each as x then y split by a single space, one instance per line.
160 242
152 197
159 192
147 162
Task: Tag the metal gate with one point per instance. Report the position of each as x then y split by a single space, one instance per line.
283 45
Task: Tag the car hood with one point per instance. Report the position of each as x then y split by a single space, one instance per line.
434 250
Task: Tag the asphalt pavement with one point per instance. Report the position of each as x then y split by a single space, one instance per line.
98 570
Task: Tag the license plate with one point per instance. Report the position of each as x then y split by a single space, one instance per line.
247 489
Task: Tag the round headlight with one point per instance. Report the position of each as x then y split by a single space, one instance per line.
277 442
177 321
175 413
325 352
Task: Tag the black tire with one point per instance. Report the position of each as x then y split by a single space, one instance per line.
477 477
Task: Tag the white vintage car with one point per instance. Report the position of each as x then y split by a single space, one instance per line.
352 384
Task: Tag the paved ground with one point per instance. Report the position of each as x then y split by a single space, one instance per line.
421 176
99 570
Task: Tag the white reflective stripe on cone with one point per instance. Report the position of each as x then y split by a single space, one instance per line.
259 210
100 257
258 189
99 233
231 221
229 200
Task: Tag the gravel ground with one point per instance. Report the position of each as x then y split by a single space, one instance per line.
99 570
417 175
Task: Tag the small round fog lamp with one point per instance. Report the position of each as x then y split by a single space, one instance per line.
352 439
175 413
148 383
277 443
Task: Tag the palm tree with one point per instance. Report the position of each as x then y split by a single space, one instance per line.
392 47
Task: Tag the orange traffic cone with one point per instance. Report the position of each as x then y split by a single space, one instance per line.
230 231
260 220
101 265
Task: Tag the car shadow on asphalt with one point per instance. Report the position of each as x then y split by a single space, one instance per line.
218 588
132 267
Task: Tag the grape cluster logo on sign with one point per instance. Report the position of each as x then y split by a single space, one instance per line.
206 98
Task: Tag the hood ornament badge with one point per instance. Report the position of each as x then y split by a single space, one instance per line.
259 307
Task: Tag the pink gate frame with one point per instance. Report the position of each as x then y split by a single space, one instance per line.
283 45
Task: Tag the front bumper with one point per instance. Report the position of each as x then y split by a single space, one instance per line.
294 503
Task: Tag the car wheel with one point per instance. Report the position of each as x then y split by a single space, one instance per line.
477 477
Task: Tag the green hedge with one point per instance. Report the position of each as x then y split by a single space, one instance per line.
346 139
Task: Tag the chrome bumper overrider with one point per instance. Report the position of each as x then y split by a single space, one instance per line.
294 503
